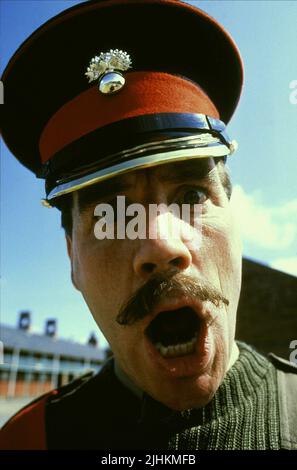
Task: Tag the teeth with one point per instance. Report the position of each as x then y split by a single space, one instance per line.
177 349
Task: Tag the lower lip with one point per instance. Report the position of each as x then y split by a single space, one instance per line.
188 365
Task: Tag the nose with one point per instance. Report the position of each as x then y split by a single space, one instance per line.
160 255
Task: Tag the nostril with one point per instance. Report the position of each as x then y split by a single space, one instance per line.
148 267
177 262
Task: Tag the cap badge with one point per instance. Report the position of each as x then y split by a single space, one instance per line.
107 68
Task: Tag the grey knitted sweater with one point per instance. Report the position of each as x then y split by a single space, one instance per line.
243 413
102 412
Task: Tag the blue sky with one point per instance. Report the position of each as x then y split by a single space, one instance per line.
34 267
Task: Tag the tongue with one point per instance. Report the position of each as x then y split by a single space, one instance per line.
174 327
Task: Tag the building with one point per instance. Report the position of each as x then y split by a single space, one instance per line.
36 363
267 311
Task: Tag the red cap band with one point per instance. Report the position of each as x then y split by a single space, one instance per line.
144 93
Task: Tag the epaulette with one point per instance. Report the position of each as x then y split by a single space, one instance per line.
286 372
282 364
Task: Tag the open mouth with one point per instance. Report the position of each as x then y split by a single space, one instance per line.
174 333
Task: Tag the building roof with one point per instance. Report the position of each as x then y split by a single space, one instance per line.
26 341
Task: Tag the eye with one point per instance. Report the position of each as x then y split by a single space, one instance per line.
193 196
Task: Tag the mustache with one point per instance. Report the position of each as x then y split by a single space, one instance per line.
167 285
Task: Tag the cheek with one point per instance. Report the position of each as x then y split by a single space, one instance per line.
219 262
102 275
220 238
219 256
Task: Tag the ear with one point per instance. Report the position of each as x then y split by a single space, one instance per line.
69 246
70 254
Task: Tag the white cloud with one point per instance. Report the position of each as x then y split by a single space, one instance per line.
266 227
288 265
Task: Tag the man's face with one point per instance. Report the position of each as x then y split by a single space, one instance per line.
109 272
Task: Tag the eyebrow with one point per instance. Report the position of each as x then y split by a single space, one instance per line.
91 195
189 171
174 173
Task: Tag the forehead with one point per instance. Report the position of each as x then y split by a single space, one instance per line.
177 172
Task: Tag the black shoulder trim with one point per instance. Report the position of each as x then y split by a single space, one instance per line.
71 387
282 364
